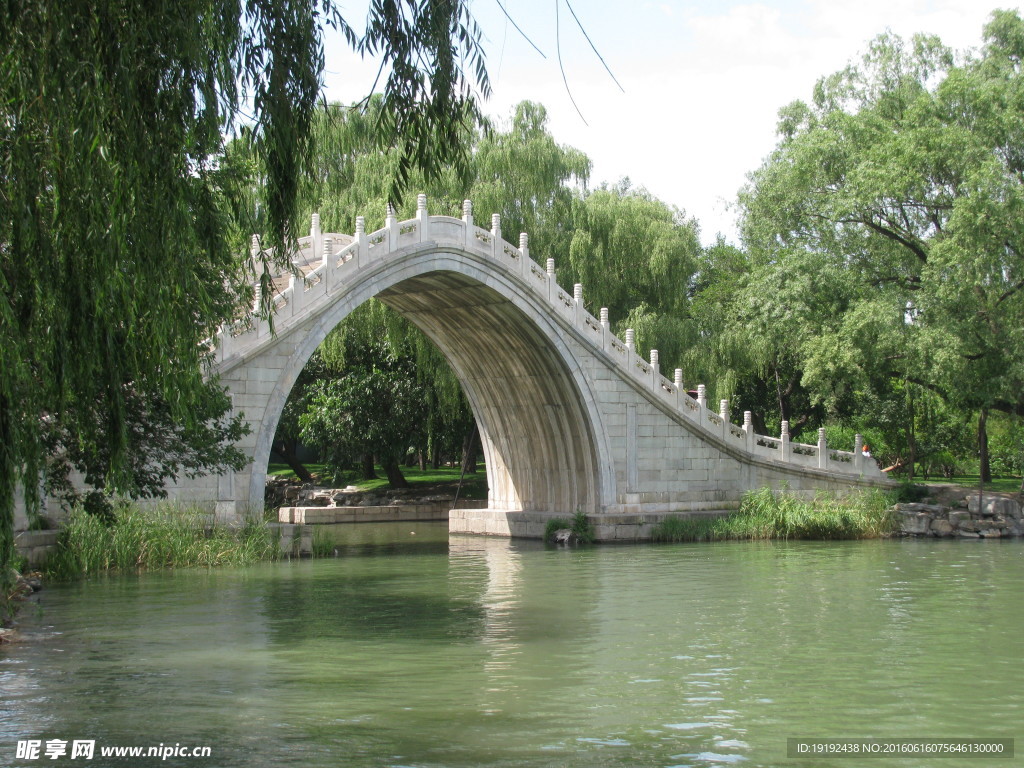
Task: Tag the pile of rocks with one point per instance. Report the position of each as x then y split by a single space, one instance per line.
309 495
995 517
281 491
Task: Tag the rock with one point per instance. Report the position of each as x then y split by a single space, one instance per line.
942 527
1014 509
990 533
565 536
915 522
932 509
957 516
968 535
994 506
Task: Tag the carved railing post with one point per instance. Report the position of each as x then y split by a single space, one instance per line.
822 450
328 265
467 218
702 396
858 453
496 236
391 223
314 236
257 268
785 447
422 218
361 244
748 429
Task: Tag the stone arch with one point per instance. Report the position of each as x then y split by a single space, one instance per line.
544 444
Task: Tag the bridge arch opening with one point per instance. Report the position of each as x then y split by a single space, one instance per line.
537 420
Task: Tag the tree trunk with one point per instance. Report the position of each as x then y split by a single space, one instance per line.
783 405
410 459
469 448
984 466
394 473
911 439
435 456
366 462
286 451
421 456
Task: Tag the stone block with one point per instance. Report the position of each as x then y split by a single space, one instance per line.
994 506
626 532
957 516
916 523
941 527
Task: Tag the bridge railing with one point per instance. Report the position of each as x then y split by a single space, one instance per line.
338 257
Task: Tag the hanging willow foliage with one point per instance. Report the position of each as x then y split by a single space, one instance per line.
116 250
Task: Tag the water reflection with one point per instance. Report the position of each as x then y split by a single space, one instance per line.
413 649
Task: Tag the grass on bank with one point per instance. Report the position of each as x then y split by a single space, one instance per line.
474 485
165 536
765 514
579 525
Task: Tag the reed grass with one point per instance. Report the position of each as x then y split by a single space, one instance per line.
165 536
766 514
322 544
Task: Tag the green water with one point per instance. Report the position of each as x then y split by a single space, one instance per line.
413 650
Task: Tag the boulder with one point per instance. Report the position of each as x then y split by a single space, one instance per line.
957 516
564 536
931 509
941 527
916 523
994 506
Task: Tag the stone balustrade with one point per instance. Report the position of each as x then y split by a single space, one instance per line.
339 257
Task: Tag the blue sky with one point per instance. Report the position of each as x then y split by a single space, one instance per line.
703 80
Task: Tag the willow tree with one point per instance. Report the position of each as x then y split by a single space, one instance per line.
637 256
887 225
116 258
515 169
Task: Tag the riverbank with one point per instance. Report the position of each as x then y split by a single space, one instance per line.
164 536
766 514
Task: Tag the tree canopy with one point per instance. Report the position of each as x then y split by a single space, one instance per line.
116 250
885 230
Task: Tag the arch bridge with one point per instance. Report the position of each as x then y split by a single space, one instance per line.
571 417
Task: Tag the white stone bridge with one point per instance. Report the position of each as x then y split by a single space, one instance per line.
570 416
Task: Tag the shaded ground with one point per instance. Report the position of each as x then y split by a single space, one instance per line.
431 482
949 493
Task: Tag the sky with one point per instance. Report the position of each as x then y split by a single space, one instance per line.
703 81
